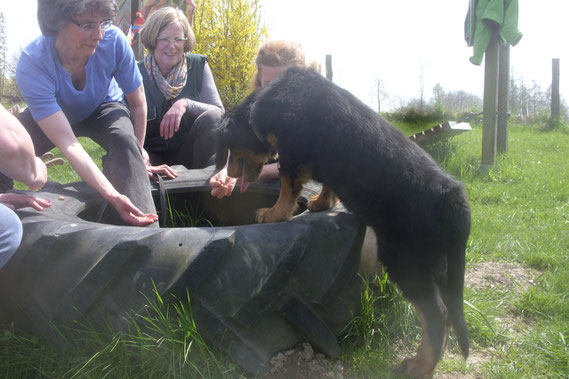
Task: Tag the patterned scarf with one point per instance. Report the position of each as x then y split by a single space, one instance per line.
172 85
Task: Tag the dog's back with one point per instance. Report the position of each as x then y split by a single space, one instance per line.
419 212
375 169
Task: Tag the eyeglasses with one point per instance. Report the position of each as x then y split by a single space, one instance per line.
93 26
165 41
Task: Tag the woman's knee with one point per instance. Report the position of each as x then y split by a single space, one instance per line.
111 127
213 115
207 122
122 141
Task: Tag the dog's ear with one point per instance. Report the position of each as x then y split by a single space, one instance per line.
252 122
222 141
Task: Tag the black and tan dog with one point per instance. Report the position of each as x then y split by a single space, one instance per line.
420 213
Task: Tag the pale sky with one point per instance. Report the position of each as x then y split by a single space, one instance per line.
397 42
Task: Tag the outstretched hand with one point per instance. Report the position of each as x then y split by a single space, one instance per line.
21 200
221 184
163 169
131 214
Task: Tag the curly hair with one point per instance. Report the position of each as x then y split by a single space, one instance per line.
277 53
53 15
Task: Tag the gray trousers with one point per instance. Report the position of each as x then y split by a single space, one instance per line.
110 127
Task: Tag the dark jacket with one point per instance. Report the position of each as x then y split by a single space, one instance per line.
158 106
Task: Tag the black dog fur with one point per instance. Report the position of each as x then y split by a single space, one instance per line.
419 212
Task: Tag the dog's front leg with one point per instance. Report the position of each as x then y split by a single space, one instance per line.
325 200
286 204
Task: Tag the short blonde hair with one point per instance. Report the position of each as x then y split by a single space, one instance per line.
277 53
160 19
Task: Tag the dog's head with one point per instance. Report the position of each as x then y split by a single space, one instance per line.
248 151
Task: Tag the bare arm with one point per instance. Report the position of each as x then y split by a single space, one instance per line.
58 130
17 156
137 103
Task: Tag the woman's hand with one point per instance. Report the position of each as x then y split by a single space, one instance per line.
154 171
221 184
163 169
21 200
40 175
131 214
171 121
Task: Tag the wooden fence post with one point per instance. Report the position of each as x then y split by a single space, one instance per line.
503 84
489 106
555 91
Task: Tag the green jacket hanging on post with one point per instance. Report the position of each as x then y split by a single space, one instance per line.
483 17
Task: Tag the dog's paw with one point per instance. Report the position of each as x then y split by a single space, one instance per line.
265 215
415 368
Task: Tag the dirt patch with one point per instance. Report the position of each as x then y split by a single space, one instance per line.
303 362
512 276
508 278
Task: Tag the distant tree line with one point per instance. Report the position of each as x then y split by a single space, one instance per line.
529 103
526 103
443 106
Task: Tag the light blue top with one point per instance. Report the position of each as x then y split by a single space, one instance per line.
47 87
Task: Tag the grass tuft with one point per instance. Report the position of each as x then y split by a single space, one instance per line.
162 340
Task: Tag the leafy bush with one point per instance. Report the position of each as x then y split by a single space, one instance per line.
414 113
229 32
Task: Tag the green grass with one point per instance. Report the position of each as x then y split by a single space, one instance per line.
520 215
65 173
160 341
192 215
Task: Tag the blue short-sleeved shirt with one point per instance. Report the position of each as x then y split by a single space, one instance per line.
47 87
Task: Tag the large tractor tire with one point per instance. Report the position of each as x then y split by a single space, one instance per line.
256 289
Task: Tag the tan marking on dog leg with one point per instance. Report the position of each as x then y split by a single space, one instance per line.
325 200
286 204
423 364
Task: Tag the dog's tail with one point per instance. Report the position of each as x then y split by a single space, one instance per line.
459 217
455 298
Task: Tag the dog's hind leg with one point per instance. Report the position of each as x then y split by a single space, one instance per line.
325 200
435 327
286 204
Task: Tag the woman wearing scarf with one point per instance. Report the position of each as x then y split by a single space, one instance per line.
183 103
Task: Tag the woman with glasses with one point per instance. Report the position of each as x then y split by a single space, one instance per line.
183 103
75 79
